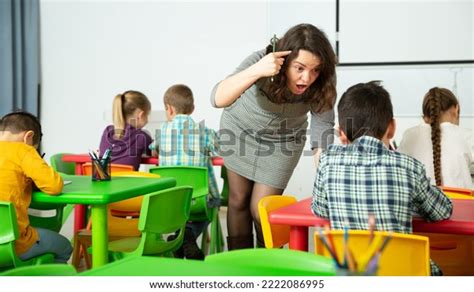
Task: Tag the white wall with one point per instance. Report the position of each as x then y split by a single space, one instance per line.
94 50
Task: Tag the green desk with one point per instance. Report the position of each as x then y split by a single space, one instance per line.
83 190
157 266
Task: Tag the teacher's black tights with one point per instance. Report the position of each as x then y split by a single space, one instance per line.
242 211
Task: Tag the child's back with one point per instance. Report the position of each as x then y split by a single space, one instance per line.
22 168
182 141
125 137
449 164
20 165
365 178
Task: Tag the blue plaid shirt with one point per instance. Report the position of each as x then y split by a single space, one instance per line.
185 142
365 178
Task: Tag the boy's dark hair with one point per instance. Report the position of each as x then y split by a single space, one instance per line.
181 98
365 109
21 121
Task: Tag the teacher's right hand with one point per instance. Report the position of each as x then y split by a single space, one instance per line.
270 65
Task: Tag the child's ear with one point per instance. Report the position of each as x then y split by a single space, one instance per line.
342 136
171 109
392 126
455 114
142 114
28 137
167 108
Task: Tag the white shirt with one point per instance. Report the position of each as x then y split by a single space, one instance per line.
457 152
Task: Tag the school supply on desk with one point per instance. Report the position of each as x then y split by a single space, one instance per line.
330 248
371 227
331 242
66 182
367 263
101 166
389 254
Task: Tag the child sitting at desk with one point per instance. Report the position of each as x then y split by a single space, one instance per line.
364 177
21 167
446 150
125 137
182 141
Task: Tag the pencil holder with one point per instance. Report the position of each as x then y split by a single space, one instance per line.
380 253
101 170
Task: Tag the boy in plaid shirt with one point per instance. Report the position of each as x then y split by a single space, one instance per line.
364 176
182 141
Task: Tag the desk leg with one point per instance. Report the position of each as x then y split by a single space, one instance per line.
78 169
100 238
79 210
299 238
79 217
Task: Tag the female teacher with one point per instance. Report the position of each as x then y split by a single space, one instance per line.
263 125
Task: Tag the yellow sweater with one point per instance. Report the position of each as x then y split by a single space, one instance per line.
20 167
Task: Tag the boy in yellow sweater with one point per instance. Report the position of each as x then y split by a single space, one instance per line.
21 167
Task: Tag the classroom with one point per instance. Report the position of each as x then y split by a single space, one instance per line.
68 61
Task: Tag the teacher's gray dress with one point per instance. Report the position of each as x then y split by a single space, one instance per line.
262 140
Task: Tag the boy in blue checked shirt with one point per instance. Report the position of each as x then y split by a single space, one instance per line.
182 141
364 176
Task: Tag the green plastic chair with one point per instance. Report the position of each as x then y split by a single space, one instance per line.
281 262
59 165
54 222
197 177
8 235
162 212
42 270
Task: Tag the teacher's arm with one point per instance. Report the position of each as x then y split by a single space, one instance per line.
253 68
322 132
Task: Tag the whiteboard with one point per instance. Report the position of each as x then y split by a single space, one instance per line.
408 85
405 31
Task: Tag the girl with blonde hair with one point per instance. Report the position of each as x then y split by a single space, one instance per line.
125 137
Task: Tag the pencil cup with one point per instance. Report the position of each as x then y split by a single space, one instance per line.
101 170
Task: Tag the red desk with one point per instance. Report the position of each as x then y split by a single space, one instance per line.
300 218
80 159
